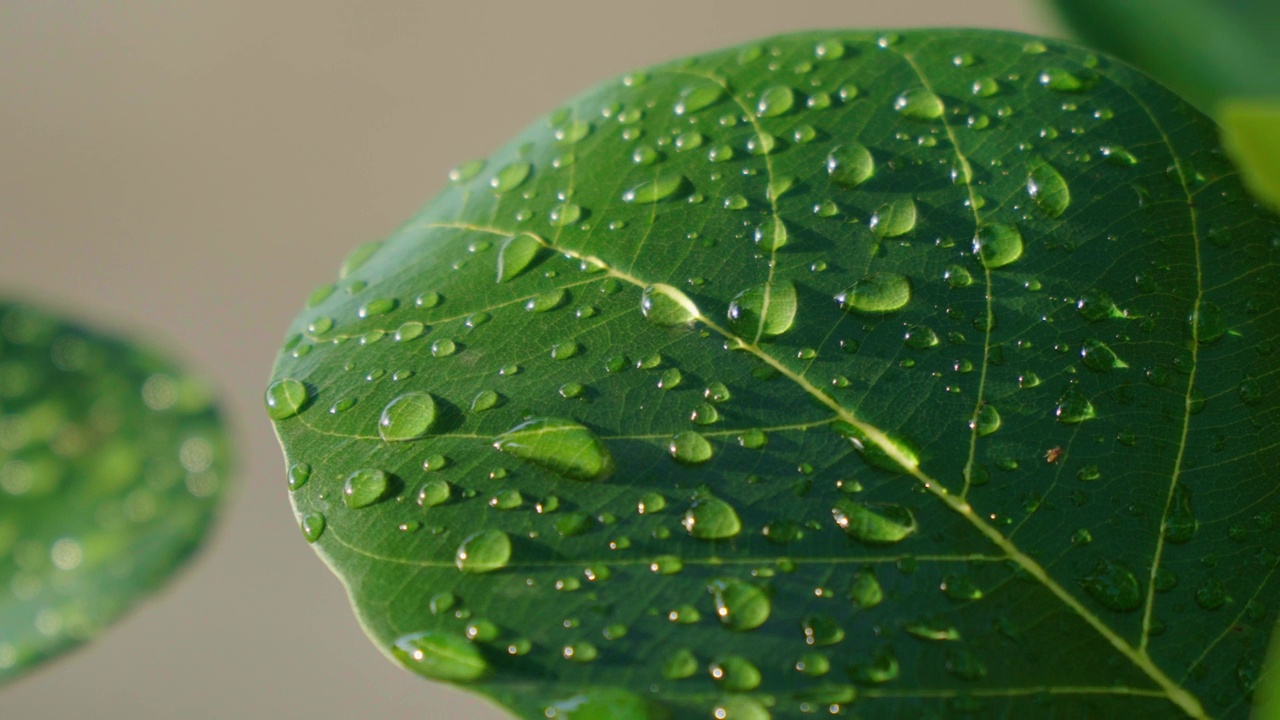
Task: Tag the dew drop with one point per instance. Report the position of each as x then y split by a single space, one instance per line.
765 310
866 593
365 487
772 234
604 704
1113 586
1073 408
1098 357
1181 524
299 474
689 448
693 99
652 191
874 524
680 664
561 446
510 177
997 244
775 101
667 306
919 104
734 673
286 398
483 552
547 301
407 417
740 606
433 492
987 421
443 347
1047 188
516 254
313 526
441 656
850 165
711 518
740 707
877 293
894 218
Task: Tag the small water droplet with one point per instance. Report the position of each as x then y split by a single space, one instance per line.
734 673
680 664
775 101
510 177
560 446
693 99
1098 357
987 421
668 306
1074 407
286 398
771 234
1181 524
1048 189
443 347
866 593
874 524
433 492
1114 586
516 254
765 310
313 526
894 218
850 165
547 301
689 448
652 191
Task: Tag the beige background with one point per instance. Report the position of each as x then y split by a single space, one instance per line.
192 170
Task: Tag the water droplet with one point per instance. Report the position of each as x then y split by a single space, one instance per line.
894 218
957 277
510 177
604 704
411 330
877 293
882 668
680 665
734 673
365 487
997 244
573 132
919 104
705 414
547 301
821 630
895 455
441 656
921 337
1210 594
866 593
313 526
1046 186
740 707
483 552
1114 586
874 524
689 448
671 377
654 190
1095 305
564 214
987 421
517 253
850 165
739 605
693 99
1061 81
407 417
560 446
443 347
965 664
433 492
299 474
772 234
764 310
1098 357
1181 524
666 305
427 300
286 398
711 518
1074 407
933 628
960 588
775 101
1208 323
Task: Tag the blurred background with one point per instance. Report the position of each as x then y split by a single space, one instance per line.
190 171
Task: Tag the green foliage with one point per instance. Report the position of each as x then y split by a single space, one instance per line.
1222 56
893 375
112 463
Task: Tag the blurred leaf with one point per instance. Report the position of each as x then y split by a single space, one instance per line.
842 372
112 462
1251 132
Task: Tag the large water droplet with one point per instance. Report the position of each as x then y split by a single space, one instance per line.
739 605
775 101
1046 186
689 448
1114 586
407 417
483 552
665 305
997 244
764 310
1074 407
562 446
510 177
920 104
772 234
654 190
441 656
735 673
365 487
285 398
850 165
874 524
877 293
711 518
894 218
517 254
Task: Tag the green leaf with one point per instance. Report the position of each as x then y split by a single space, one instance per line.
112 464
886 375
1251 132
1205 49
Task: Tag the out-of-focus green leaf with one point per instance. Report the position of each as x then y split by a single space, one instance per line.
112 462
868 374
1251 132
